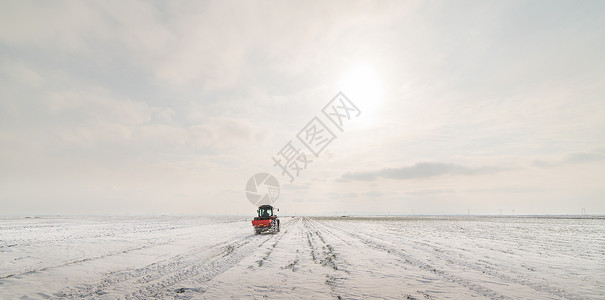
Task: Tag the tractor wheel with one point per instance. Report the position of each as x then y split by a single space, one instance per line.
256 231
277 225
274 227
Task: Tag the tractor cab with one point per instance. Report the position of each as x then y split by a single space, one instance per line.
265 212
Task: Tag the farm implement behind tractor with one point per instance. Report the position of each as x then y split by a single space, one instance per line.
266 221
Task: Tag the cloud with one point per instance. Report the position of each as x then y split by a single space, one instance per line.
430 192
582 157
200 88
420 170
292 186
373 194
224 133
506 189
571 158
216 135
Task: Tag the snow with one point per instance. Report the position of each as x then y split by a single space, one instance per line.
311 258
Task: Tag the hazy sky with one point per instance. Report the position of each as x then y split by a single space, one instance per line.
128 107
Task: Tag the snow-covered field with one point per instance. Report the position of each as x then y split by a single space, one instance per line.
312 258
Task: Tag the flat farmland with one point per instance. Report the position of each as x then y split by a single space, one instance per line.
310 258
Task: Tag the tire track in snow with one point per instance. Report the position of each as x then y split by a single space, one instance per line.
482 267
276 277
154 280
456 256
329 258
377 243
270 250
485 267
88 259
144 228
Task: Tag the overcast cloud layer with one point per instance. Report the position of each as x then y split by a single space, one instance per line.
143 107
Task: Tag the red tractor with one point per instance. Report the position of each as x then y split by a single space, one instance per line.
266 220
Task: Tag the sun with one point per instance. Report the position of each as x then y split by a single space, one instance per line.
362 84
